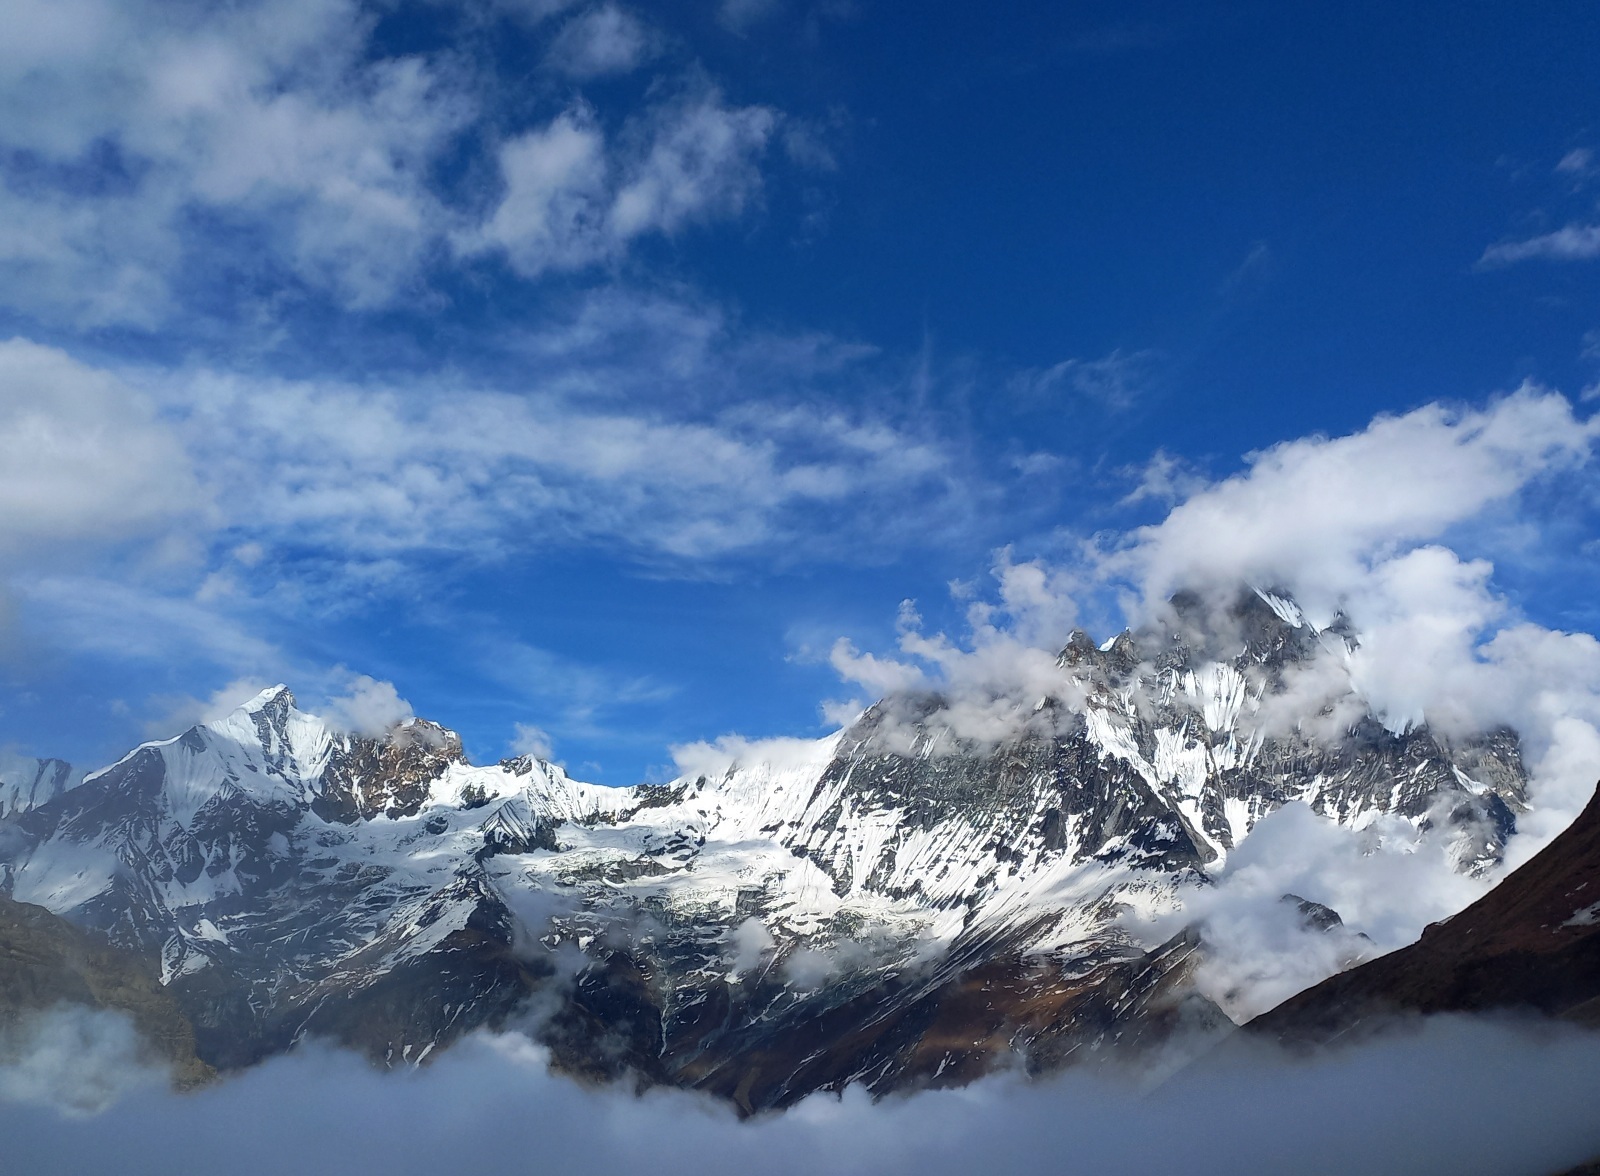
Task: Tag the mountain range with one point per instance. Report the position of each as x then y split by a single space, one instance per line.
902 904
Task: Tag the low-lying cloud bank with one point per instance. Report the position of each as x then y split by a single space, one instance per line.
1454 1096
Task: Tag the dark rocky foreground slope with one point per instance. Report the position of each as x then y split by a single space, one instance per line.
46 963
1531 944
903 904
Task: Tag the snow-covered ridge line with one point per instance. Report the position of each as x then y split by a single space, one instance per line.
892 847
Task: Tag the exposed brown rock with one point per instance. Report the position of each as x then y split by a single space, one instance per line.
388 776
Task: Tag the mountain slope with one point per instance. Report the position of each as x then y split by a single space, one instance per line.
46 963
1531 943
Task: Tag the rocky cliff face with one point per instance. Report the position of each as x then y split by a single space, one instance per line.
900 904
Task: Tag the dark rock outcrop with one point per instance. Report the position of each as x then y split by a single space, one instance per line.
1531 944
46 963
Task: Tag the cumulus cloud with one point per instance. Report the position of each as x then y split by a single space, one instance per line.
1351 525
1358 524
1321 511
1386 881
272 114
1455 1096
368 707
990 684
147 146
83 456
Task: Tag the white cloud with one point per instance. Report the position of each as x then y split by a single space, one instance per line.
184 712
880 676
210 514
990 684
372 473
573 200
1579 161
1569 243
75 1060
120 616
1454 1096
1166 479
1115 380
740 15
700 165
367 707
268 114
1320 512
1384 880
1357 524
553 213
716 758
150 145
530 740
604 40
83 456
751 941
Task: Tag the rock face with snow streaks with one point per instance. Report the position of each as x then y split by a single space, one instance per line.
901 905
26 783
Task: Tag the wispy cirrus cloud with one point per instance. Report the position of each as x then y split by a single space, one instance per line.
377 472
1574 242
194 518
1115 380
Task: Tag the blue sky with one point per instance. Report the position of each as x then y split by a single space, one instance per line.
586 371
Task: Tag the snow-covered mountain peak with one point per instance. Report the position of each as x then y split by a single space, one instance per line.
271 734
279 696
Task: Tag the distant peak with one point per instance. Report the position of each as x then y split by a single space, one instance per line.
279 694
1281 603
